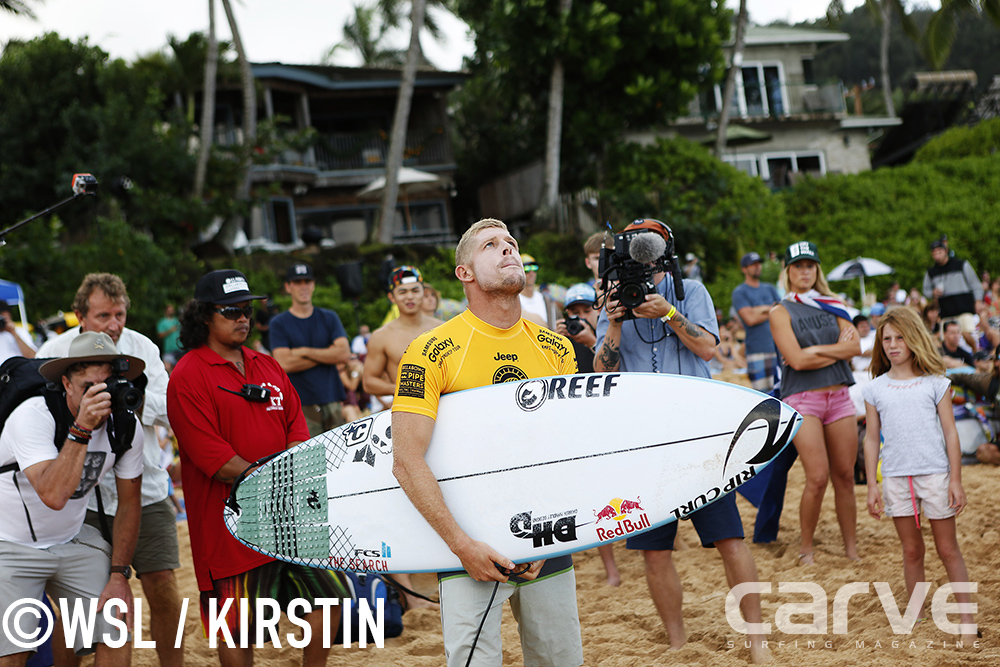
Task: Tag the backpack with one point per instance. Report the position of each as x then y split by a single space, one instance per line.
371 587
21 380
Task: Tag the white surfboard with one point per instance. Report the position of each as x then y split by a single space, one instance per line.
536 469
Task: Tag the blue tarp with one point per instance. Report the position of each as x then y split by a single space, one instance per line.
14 296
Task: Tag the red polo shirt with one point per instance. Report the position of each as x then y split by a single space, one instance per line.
212 426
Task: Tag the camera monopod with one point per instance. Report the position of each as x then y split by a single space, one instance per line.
84 185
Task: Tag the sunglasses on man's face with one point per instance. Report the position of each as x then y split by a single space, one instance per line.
234 312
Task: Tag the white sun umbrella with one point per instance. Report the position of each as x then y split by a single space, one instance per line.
859 267
410 182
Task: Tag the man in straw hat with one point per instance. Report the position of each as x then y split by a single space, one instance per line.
48 546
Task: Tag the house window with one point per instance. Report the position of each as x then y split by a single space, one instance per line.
761 90
745 163
808 77
777 168
281 220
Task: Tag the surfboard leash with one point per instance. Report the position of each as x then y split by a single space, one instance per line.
489 605
408 591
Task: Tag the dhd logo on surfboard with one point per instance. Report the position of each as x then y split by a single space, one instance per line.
545 530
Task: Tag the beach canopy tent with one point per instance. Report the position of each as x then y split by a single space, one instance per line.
14 296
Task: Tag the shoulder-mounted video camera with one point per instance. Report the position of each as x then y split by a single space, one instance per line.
629 262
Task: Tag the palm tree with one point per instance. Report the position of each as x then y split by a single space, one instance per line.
553 141
383 229
882 11
730 89
17 7
226 236
940 34
207 104
366 35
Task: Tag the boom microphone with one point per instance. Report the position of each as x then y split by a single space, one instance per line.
647 248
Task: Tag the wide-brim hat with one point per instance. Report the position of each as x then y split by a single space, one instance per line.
90 346
224 287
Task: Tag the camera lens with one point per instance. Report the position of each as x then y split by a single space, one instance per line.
632 295
123 394
573 326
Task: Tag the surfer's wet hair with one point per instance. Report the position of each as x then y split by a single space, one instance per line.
194 323
463 251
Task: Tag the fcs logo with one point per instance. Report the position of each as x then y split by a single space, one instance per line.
530 395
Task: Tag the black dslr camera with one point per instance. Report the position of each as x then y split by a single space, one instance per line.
628 268
574 325
124 395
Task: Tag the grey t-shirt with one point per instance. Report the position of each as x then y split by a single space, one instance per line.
907 410
813 326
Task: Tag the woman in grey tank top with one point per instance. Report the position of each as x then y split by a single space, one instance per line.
816 340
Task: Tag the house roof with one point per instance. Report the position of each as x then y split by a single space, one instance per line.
758 35
353 78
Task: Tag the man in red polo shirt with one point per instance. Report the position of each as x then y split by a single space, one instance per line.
221 431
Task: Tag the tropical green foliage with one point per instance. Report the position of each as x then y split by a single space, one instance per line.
626 65
963 141
894 214
715 211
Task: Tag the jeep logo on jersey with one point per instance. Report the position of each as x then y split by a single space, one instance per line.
508 374
531 394
545 530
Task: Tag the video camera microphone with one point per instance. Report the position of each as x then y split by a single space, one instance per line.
647 248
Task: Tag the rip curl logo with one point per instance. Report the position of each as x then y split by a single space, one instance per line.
508 374
768 411
531 394
277 397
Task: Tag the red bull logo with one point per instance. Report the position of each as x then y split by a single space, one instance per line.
620 510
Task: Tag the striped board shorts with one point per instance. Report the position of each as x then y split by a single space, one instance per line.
760 370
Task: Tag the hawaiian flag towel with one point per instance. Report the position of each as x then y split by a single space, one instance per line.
814 299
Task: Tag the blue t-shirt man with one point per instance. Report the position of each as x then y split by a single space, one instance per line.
752 301
309 342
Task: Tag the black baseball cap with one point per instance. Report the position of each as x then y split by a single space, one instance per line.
224 287
299 271
748 259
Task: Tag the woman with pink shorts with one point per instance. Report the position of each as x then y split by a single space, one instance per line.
816 339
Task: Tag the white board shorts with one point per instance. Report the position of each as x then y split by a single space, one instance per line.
930 494
545 610
75 570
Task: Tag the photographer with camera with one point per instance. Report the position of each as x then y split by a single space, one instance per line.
654 321
101 305
230 406
14 340
56 447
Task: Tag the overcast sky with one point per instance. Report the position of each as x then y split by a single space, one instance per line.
289 31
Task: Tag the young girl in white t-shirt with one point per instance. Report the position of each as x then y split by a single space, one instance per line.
909 402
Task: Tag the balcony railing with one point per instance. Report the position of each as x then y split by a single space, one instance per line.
772 99
359 150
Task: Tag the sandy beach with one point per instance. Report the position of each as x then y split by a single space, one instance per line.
620 626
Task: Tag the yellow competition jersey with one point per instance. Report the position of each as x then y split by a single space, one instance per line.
465 352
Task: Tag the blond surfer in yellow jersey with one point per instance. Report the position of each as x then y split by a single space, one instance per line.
488 344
